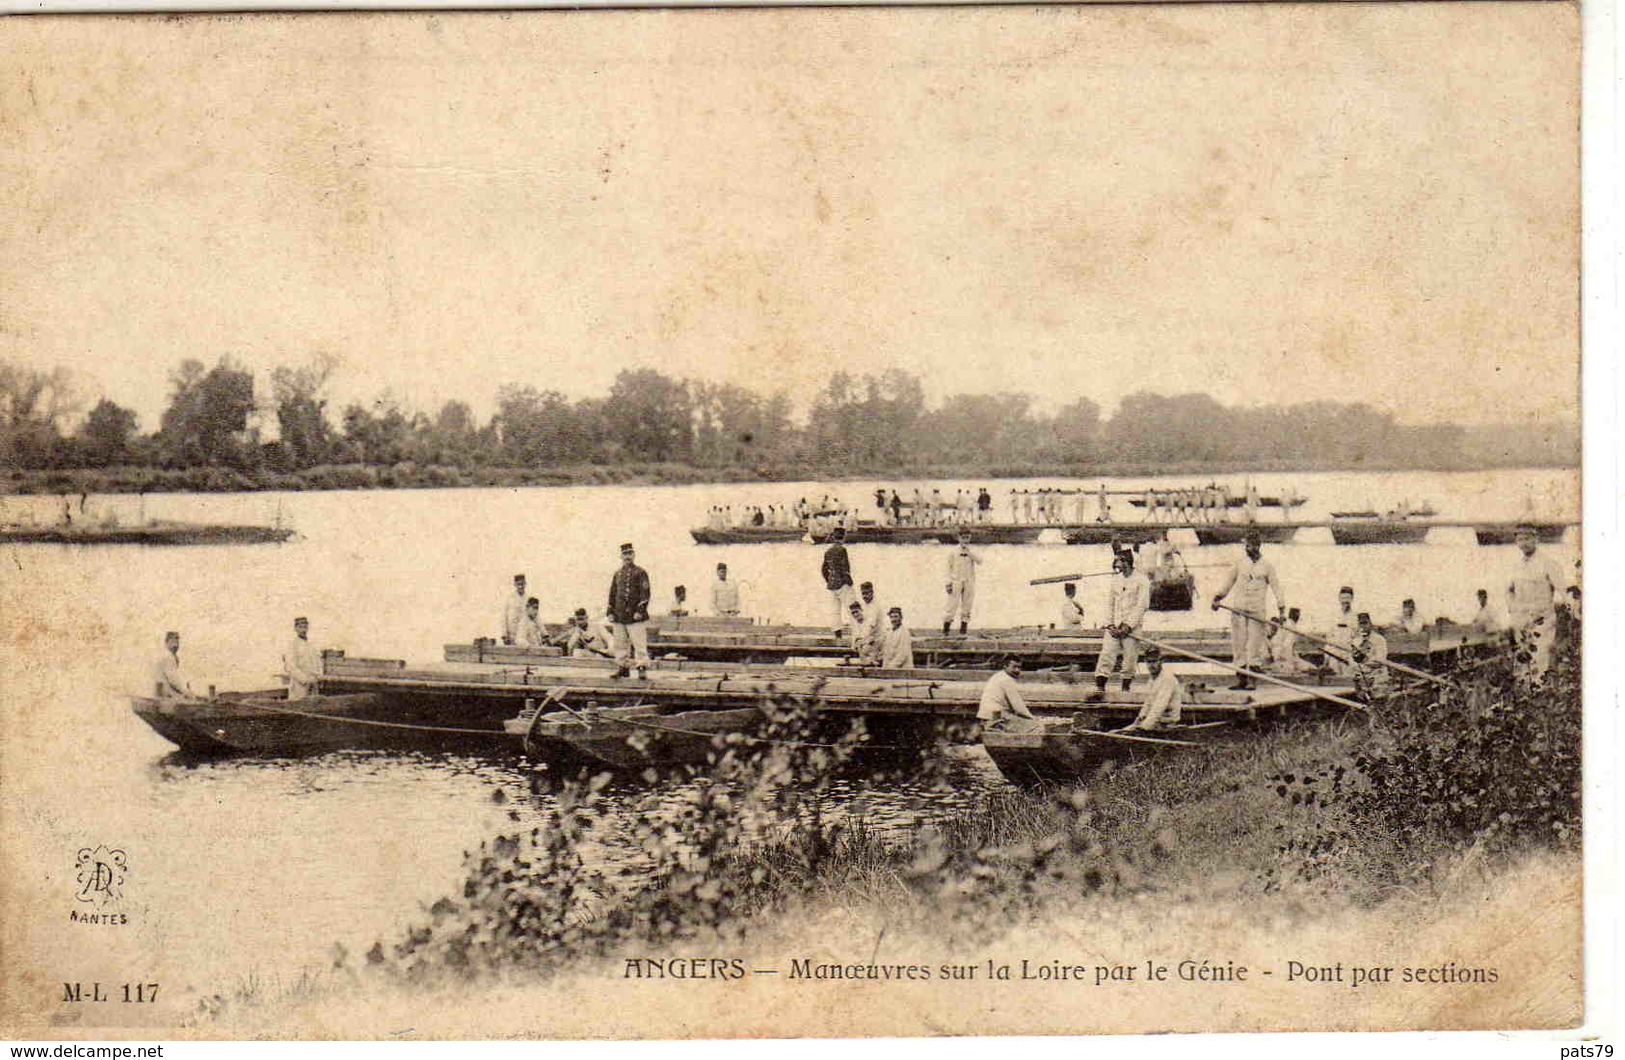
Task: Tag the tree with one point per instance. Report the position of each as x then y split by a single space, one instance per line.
1077 431
34 404
381 435
981 427
207 414
301 409
541 427
734 426
647 414
106 433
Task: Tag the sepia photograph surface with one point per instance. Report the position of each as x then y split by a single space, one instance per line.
803 522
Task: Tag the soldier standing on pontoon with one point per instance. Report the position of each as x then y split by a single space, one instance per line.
1253 579
1531 602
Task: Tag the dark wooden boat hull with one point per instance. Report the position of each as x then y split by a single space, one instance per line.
1379 533
637 739
259 722
152 534
1107 533
1506 534
1236 533
1060 756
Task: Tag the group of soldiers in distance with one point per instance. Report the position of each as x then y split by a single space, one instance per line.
918 507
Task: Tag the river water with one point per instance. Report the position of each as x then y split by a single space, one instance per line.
250 867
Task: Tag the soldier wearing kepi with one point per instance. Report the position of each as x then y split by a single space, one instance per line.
896 645
724 594
873 634
1248 586
837 572
628 613
1531 602
513 609
962 563
301 665
1126 603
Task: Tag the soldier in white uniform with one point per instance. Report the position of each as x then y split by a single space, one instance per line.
1126 601
1253 578
897 645
1485 620
531 634
1071 610
872 634
1162 701
1341 633
1002 703
962 563
301 664
513 609
1531 602
170 679
724 594
1408 620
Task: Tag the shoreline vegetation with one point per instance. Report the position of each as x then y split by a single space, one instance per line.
231 429
129 479
1438 832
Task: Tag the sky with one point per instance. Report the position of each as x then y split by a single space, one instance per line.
1269 203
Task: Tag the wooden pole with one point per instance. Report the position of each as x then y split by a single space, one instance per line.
1337 650
1271 678
1108 735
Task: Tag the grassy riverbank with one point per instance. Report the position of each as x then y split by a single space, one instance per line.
415 476
1437 835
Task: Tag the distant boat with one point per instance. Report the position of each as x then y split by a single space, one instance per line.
148 534
1506 533
1236 533
1231 500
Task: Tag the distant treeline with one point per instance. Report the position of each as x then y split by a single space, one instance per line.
217 433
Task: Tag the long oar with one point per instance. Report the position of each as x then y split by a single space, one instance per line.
1053 579
1339 651
1271 678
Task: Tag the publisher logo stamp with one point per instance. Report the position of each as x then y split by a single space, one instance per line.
100 878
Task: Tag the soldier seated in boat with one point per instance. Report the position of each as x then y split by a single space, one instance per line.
530 633
1485 619
1283 644
167 673
1368 652
1002 707
856 630
896 643
1162 699
1071 610
581 639
1407 620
